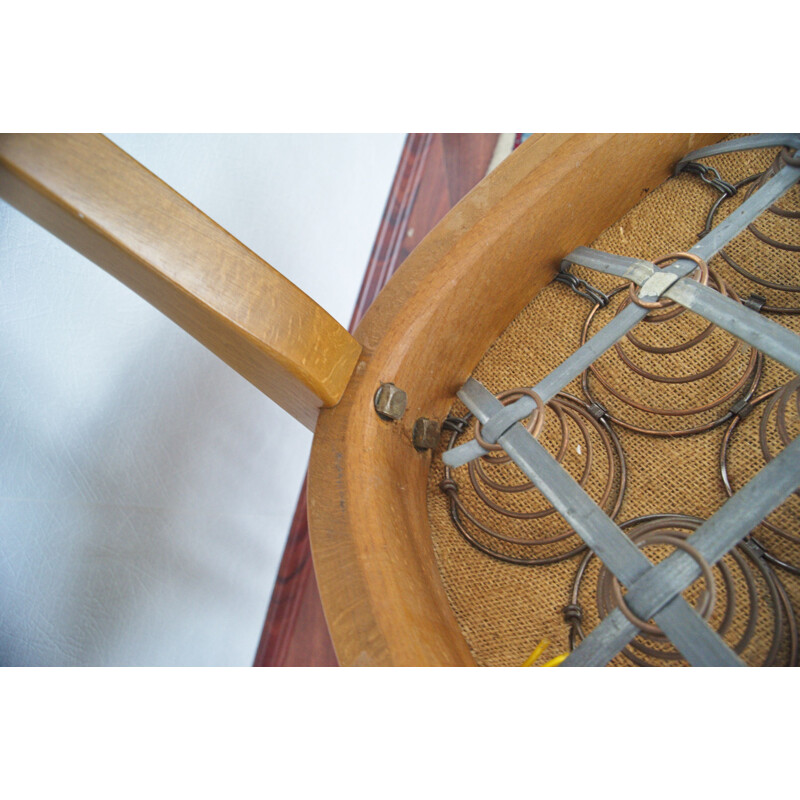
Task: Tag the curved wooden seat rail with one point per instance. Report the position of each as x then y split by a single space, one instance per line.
426 331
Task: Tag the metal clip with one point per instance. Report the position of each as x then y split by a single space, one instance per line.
741 408
754 547
703 171
755 302
580 286
453 423
724 188
597 411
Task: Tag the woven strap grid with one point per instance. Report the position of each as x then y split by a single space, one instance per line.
654 591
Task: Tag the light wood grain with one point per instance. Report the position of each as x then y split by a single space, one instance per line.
107 206
454 295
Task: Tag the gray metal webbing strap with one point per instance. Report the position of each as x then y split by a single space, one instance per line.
742 216
632 269
607 336
756 141
681 623
654 591
551 385
765 335
715 537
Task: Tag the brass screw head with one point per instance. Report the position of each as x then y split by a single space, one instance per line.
426 434
390 402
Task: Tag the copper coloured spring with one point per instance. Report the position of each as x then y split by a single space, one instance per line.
487 538
755 182
779 402
674 530
745 385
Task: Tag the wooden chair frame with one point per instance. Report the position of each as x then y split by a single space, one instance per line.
426 331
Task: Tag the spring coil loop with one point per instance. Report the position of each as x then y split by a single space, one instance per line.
779 404
743 387
474 521
673 528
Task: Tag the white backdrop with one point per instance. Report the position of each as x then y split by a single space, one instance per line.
146 489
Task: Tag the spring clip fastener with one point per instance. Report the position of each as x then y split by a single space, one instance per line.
457 424
756 302
703 172
580 286
715 181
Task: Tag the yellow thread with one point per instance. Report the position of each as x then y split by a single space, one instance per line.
554 662
540 648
